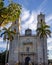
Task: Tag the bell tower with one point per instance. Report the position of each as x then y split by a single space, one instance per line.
40 18
41 43
16 26
14 44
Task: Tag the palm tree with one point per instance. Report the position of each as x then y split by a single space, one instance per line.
8 35
43 32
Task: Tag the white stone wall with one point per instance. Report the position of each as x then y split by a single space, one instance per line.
27 39
18 46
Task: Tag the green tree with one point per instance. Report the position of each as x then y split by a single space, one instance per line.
1 3
43 32
2 57
8 36
10 13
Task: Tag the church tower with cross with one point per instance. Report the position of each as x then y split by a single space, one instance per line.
28 48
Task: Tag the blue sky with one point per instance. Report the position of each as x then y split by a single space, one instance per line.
30 10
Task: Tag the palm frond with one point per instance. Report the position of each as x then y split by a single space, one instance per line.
48 30
12 32
8 34
48 33
38 29
43 30
4 28
46 26
3 34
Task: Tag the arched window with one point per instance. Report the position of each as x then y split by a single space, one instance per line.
41 20
14 30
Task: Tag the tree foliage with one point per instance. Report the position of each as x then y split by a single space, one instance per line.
43 30
9 13
2 57
1 3
8 34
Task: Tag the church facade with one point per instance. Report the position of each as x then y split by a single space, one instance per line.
28 48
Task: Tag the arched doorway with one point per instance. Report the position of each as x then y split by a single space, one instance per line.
27 59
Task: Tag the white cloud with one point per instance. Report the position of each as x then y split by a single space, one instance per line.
25 14
31 22
49 40
49 47
48 18
8 25
50 56
1 39
3 45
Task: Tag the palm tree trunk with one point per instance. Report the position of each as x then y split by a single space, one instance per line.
6 52
18 49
